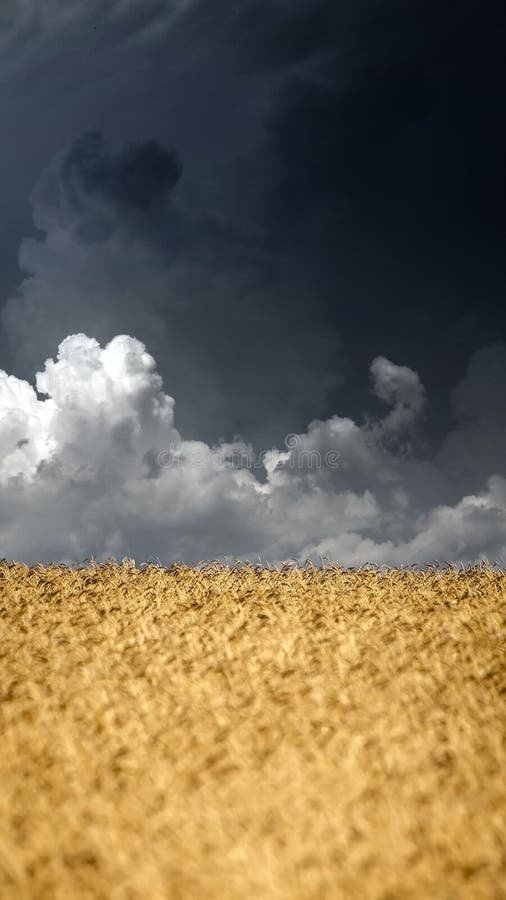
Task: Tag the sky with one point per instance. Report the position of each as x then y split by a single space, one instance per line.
252 280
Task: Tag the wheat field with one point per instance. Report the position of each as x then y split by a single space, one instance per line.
245 732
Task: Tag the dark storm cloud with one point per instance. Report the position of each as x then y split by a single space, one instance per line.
136 177
275 35
414 139
95 191
390 167
380 177
341 201
102 190
121 251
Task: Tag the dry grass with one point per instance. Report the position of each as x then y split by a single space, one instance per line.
246 733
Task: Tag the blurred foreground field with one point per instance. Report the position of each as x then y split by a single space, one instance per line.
251 734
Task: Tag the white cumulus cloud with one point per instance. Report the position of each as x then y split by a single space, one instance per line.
93 464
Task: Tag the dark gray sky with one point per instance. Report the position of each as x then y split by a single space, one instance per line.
269 195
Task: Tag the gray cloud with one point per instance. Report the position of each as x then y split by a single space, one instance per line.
475 446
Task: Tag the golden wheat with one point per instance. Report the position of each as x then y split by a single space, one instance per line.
214 732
